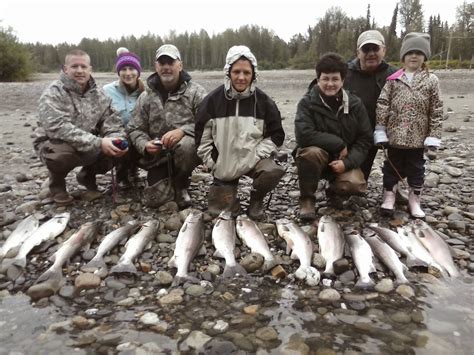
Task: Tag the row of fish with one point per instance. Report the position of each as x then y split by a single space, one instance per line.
418 243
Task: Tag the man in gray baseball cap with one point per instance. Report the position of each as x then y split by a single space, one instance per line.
162 129
366 78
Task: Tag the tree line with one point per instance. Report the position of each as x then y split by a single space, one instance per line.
335 31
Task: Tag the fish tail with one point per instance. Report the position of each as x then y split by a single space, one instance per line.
413 261
401 280
53 276
96 263
269 264
20 262
124 267
179 280
364 285
231 271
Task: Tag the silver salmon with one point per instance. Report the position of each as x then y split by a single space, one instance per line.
223 238
302 248
188 243
47 231
398 244
108 243
388 256
52 278
436 246
21 233
135 247
254 239
417 248
363 259
331 242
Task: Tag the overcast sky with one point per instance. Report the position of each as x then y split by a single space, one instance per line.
71 20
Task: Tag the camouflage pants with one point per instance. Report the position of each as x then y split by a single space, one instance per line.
60 158
183 161
312 163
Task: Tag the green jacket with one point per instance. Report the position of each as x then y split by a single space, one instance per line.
317 125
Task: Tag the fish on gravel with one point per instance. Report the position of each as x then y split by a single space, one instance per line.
223 238
388 257
363 259
108 243
52 279
254 239
47 231
21 233
417 248
437 247
398 244
135 246
331 242
301 247
188 243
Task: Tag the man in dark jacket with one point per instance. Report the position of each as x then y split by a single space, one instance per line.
366 78
162 128
333 135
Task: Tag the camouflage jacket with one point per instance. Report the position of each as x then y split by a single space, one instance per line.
79 119
154 117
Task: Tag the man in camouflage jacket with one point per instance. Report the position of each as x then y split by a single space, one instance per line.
162 127
77 127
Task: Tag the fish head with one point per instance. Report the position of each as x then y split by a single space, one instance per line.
326 219
194 216
227 215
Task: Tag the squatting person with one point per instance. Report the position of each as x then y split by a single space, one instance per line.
237 128
77 127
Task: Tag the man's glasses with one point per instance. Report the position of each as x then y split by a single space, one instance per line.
370 48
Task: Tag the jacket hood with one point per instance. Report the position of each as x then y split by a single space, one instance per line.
72 85
233 55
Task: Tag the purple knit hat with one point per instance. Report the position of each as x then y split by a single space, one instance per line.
128 59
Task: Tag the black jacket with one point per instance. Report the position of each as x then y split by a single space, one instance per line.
317 125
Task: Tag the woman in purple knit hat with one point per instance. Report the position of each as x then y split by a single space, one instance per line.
124 93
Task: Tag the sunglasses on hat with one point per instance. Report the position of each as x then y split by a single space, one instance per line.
369 48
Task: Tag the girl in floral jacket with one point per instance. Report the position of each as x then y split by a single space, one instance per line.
409 113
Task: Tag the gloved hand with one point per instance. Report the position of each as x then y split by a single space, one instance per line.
380 136
430 152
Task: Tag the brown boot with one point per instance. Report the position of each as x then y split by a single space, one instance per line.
307 210
255 210
57 187
223 198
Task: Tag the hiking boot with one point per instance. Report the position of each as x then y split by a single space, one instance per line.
86 179
307 210
414 204
62 198
388 203
182 198
255 210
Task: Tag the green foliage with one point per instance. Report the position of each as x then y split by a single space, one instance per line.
15 60
333 32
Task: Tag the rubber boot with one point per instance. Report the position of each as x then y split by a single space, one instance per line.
255 210
414 203
223 198
182 198
307 200
57 187
388 203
